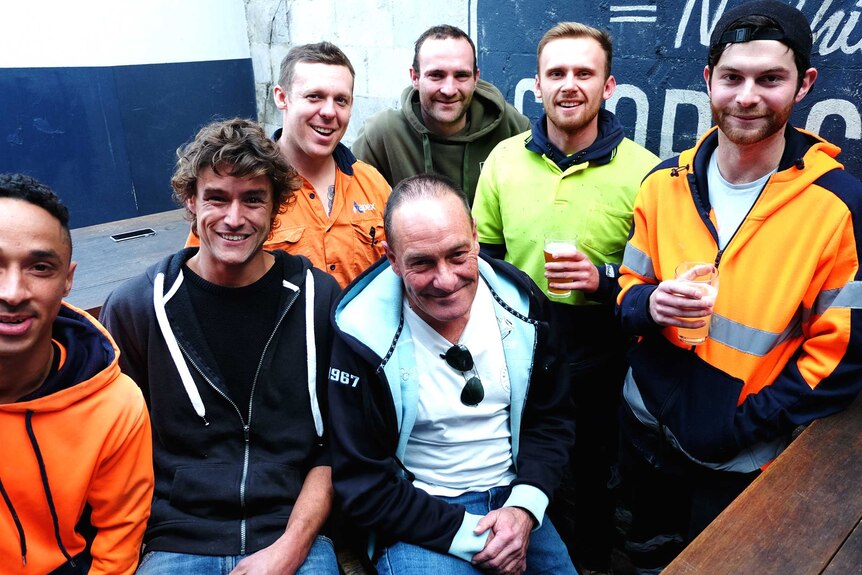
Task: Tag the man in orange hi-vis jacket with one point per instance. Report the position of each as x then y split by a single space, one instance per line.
769 206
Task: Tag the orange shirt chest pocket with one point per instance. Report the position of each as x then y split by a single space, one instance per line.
368 237
296 240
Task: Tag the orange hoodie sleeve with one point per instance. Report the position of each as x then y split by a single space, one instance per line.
121 492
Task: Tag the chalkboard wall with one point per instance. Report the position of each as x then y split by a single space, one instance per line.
659 55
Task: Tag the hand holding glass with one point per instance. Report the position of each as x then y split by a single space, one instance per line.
559 248
703 276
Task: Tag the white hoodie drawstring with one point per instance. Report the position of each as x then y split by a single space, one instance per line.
159 302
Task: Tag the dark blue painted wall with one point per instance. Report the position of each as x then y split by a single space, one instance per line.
104 137
659 53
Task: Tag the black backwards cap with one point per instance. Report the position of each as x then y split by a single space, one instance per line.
792 27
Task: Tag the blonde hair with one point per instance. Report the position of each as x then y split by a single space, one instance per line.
578 30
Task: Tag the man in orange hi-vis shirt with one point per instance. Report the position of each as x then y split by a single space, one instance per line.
336 220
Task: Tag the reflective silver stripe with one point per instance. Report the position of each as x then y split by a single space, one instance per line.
633 397
825 300
748 460
850 296
751 340
638 262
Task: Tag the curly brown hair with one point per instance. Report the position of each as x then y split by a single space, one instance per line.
239 148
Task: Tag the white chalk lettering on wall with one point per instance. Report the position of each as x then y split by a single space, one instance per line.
834 29
659 54
706 24
675 99
639 97
524 86
841 108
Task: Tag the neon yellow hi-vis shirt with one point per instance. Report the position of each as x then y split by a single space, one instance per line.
521 195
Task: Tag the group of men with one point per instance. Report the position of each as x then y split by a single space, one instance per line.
325 347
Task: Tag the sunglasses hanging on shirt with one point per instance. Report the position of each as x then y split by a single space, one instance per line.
459 358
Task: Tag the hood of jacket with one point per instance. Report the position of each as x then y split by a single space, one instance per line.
485 113
601 151
166 278
378 293
806 158
385 341
90 364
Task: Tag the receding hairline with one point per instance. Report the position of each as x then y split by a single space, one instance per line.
421 187
443 32
449 39
418 207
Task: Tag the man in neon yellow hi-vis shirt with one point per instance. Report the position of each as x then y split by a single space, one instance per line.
574 175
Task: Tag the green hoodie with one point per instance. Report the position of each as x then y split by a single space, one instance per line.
398 144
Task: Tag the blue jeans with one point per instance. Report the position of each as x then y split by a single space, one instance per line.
320 561
546 554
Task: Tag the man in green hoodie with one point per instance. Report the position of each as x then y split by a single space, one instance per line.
449 120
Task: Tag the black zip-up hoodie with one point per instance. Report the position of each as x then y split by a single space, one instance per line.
227 475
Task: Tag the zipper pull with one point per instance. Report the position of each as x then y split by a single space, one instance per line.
373 233
245 433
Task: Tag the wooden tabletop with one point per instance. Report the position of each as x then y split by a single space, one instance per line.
103 264
802 516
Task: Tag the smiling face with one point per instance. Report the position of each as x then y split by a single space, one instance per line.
35 275
435 252
572 85
445 82
233 218
315 109
753 88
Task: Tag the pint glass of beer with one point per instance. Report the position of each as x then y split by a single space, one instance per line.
703 276
558 247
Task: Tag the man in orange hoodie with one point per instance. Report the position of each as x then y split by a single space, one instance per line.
75 461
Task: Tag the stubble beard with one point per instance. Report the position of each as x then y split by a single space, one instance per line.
574 124
771 123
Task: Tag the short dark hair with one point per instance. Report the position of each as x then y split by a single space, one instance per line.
240 148
420 187
578 30
319 53
29 189
764 20
442 32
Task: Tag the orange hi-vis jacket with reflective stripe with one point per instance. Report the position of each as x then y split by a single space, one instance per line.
784 346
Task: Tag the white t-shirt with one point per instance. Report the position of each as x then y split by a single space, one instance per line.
454 448
731 202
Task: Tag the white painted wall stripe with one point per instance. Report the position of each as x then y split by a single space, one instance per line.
645 8
49 33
